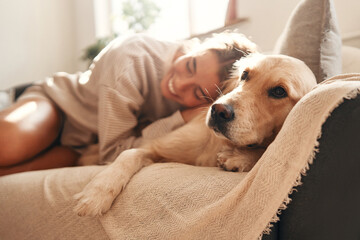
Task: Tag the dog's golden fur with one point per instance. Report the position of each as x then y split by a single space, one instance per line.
232 134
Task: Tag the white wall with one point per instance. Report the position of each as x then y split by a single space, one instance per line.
40 37
349 21
267 19
85 31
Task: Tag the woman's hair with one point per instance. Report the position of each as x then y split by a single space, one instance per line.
228 46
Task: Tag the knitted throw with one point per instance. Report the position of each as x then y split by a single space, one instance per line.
176 201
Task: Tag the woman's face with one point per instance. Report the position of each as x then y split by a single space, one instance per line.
192 79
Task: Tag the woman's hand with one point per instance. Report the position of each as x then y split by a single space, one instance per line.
189 113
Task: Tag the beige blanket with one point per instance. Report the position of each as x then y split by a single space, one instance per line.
177 201
174 201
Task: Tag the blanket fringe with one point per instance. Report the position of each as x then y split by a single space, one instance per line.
352 94
297 183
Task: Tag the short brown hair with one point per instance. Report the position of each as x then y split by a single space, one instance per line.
229 47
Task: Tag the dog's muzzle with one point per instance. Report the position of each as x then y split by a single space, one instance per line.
220 116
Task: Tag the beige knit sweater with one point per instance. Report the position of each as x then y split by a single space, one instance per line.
120 91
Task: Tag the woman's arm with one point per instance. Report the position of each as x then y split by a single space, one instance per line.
118 111
128 91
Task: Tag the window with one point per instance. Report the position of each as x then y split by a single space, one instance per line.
174 19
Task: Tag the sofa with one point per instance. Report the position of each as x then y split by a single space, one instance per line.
326 205
303 187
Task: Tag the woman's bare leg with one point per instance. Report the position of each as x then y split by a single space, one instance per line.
55 157
27 128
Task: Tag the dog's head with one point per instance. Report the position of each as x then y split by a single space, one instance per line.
262 94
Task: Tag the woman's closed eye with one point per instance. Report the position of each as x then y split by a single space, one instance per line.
191 66
201 95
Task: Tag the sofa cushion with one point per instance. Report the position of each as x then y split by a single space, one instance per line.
312 35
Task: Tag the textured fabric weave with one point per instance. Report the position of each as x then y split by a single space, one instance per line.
177 201
172 201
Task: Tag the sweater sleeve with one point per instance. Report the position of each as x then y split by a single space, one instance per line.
163 126
118 119
122 93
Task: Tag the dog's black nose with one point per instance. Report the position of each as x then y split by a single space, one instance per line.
222 112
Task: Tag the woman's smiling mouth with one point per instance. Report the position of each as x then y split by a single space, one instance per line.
171 86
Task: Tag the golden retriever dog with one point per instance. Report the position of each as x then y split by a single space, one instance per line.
233 133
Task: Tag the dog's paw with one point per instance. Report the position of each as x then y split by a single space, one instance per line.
98 196
93 201
236 161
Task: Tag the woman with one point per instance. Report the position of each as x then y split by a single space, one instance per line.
137 89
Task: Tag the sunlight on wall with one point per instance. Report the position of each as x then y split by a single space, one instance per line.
207 15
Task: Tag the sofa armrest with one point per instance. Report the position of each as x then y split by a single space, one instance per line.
326 205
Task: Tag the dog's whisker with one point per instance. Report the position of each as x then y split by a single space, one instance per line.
208 98
219 90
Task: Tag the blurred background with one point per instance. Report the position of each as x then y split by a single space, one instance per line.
40 37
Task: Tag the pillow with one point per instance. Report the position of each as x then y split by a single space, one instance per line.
312 35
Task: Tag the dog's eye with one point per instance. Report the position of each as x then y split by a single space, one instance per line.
252 145
244 75
277 92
